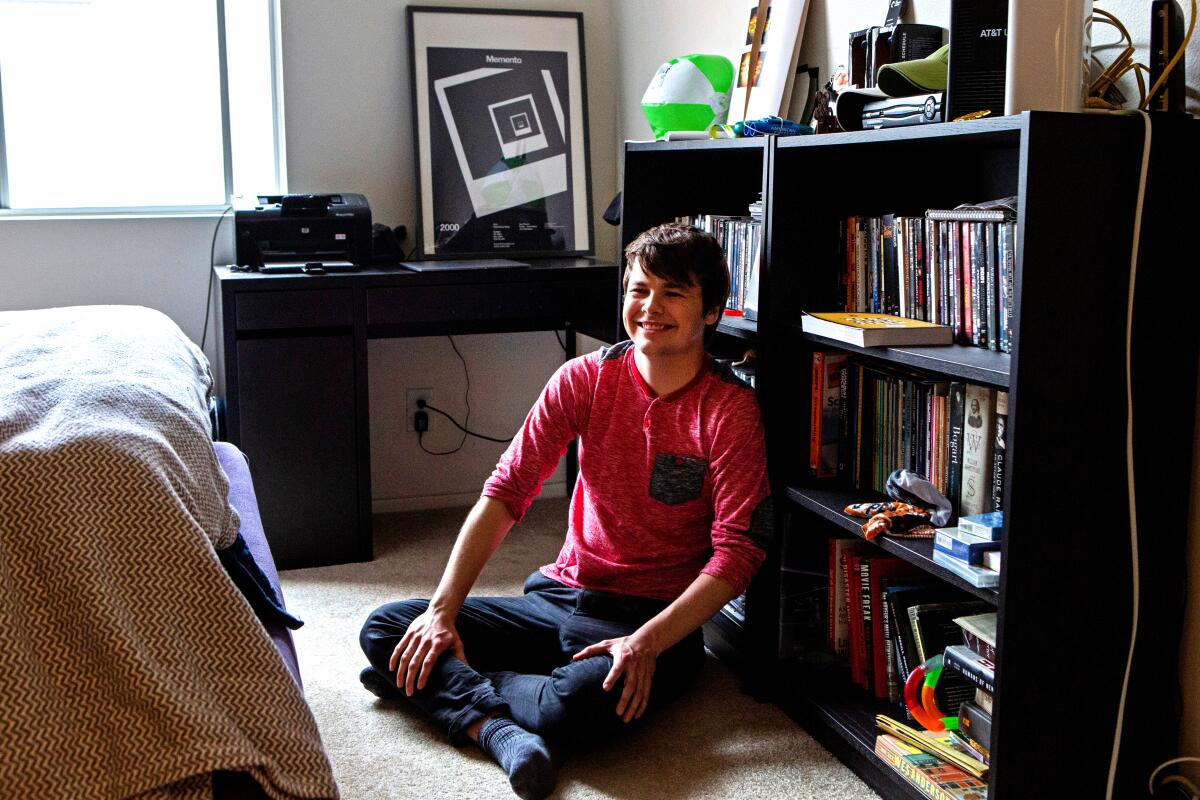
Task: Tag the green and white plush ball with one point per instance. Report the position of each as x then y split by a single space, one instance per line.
688 93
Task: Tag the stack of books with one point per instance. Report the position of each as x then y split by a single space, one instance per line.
972 550
975 660
936 764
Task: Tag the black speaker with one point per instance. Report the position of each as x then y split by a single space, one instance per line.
978 57
1166 37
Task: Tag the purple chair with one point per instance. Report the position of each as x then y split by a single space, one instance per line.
242 498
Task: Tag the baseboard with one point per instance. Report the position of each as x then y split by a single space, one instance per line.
393 505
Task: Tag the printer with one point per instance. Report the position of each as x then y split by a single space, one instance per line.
281 233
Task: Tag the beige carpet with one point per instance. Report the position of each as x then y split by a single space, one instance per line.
715 743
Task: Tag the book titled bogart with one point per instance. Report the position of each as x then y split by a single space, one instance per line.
875 330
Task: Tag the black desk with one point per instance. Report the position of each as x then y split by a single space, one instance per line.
293 351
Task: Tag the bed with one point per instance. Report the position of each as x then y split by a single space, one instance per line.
134 577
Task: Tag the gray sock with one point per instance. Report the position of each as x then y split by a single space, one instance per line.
524 756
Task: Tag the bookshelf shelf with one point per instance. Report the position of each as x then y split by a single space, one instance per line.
973 364
834 712
828 503
739 327
1066 581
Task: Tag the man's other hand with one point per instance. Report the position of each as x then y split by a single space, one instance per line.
635 658
429 635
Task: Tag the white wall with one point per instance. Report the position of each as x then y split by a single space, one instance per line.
348 128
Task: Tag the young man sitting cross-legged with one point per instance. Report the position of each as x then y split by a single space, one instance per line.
667 523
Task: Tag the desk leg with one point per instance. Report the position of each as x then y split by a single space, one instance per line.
572 452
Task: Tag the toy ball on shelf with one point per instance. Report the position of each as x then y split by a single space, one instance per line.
688 93
919 696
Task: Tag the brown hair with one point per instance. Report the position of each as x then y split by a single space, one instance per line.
677 252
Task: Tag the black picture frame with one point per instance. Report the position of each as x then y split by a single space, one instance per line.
500 133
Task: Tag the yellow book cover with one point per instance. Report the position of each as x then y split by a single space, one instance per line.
874 330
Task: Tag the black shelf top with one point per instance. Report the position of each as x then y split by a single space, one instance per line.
739 326
746 143
991 126
829 502
972 364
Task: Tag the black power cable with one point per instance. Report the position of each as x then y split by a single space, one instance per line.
212 254
467 401
466 432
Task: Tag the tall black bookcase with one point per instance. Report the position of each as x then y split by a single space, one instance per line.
1071 557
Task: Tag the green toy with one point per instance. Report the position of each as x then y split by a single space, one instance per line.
688 93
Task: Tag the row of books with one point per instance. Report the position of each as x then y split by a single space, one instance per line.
867 421
741 240
953 267
886 617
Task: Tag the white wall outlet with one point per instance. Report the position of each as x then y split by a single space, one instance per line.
413 396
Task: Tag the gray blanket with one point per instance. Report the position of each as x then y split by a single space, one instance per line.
129 663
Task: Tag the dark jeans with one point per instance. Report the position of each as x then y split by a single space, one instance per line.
520 649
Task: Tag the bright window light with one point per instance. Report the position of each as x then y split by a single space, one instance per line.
118 103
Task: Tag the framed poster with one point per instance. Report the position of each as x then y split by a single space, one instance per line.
501 133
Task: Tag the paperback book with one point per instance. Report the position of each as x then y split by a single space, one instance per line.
875 330
931 776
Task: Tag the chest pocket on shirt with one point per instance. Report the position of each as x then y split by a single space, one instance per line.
677 479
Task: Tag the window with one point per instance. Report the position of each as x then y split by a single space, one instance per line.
137 103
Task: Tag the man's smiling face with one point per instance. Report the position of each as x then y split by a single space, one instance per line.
664 317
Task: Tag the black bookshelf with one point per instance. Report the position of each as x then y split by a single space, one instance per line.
1066 584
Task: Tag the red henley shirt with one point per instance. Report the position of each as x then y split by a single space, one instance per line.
669 487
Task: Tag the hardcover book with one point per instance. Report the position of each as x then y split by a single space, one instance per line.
823 438
954 441
999 448
979 633
884 671
875 330
972 666
976 725
977 450
934 628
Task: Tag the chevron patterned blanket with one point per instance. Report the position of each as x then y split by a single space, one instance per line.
130 665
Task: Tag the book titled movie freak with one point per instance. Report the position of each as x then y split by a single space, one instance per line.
875 330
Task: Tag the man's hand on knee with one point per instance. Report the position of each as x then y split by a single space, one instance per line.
634 657
429 635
